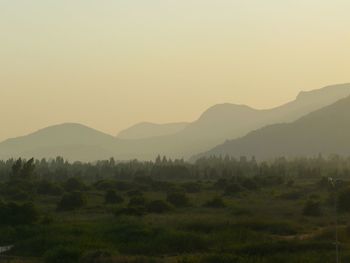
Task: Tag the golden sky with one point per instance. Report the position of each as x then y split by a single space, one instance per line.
109 64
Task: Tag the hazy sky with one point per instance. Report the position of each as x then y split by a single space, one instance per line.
111 63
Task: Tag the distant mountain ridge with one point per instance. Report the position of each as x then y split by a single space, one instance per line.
325 131
216 125
148 130
60 140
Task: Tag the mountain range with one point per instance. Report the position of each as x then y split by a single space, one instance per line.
220 123
325 131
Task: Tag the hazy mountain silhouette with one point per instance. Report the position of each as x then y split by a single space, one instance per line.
216 125
73 141
230 121
325 131
148 130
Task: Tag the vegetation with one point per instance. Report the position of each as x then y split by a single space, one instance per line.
214 210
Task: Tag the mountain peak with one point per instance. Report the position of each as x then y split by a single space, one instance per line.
340 90
225 109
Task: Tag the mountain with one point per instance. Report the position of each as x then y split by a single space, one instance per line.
229 121
73 141
216 125
148 130
325 131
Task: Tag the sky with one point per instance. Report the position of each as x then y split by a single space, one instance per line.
110 64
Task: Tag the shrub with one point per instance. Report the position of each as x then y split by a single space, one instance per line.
216 202
47 188
343 201
74 184
219 258
192 187
293 195
133 193
131 211
62 255
105 185
112 197
158 206
97 256
15 214
312 208
71 201
137 201
178 199
233 188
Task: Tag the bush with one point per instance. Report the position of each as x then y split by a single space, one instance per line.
312 208
97 256
137 201
15 214
216 202
133 193
62 255
105 185
131 211
158 206
47 188
112 197
71 201
293 195
219 258
192 187
74 184
233 188
178 199
343 201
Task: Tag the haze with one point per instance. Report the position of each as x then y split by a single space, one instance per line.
110 64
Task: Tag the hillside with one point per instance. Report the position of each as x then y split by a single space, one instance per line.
230 121
148 130
326 131
71 140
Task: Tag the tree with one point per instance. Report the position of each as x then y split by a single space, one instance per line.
23 170
137 201
67 254
16 214
343 201
45 187
74 184
312 208
111 197
216 202
158 206
71 201
178 199
28 169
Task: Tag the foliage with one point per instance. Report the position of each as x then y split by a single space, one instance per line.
111 197
158 206
312 208
178 199
216 202
343 201
62 255
17 214
71 201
